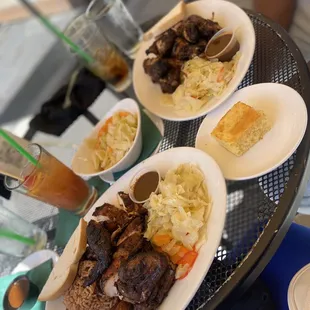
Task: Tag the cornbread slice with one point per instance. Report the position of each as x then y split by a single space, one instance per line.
240 128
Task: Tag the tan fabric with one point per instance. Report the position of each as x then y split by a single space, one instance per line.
300 28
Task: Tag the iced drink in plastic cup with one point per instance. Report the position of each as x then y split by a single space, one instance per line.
53 182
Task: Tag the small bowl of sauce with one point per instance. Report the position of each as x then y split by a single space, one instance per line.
16 293
144 183
223 45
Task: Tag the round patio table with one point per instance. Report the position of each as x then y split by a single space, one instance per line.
259 211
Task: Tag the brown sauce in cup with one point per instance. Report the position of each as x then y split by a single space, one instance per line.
145 185
217 45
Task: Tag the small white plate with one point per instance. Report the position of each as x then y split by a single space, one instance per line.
286 110
109 178
35 259
298 296
226 14
184 290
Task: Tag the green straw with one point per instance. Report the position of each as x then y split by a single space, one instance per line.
17 147
89 59
11 235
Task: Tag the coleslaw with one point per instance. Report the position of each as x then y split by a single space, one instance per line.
114 140
178 216
203 80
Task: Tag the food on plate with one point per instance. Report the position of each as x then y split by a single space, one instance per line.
64 273
114 140
139 276
137 271
129 256
99 241
241 128
178 214
203 80
179 63
81 297
185 40
144 185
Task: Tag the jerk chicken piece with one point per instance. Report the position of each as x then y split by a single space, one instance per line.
179 50
190 32
112 217
99 240
123 305
132 208
175 63
160 291
129 247
89 255
178 28
183 50
136 227
207 28
168 76
156 68
139 276
152 50
130 242
163 45
147 246
171 82
197 49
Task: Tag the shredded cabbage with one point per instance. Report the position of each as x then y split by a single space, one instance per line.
203 80
181 208
114 140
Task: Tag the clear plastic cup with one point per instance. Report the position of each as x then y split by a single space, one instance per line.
53 182
18 237
109 64
117 24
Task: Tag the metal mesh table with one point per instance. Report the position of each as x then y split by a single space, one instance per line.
259 211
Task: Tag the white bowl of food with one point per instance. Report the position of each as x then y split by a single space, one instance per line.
190 181
171 83
255 131
114 145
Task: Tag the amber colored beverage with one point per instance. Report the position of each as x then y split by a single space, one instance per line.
111 67
54 183
108 63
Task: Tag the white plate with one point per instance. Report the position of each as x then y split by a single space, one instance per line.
182 291
109 178
298 296
226 14
287 111
35 259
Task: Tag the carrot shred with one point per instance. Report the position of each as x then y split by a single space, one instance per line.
189 258
220 76
123 114
179 255
161 239
103 130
